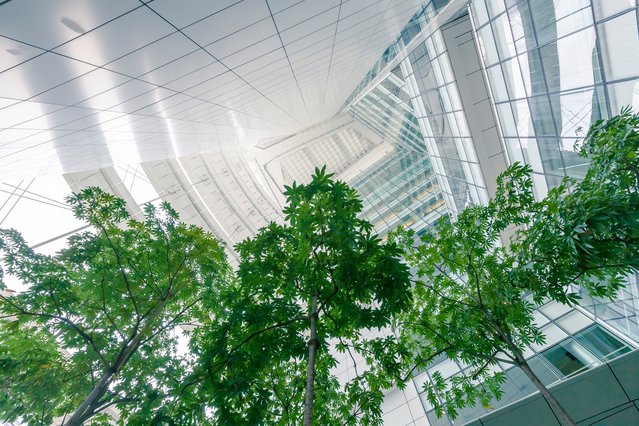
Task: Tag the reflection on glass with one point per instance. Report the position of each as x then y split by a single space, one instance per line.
569 358
604 345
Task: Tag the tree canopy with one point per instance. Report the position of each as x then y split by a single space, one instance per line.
95 329
95 335
474 296
322 279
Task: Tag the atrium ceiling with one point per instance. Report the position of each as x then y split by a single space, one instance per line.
85 85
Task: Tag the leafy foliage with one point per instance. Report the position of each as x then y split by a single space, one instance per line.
95 328
471 299
325 273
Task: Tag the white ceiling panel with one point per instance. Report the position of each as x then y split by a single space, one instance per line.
17 113
39 75
260 61
116 96
83 87
228 21
280 5
13 53
154 55
120 37
244 38
56 119
197 77
324 35
302 13
248 54
179 68
126 75
327 19
137 102
51 23
186 12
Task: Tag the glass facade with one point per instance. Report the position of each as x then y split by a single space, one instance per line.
554 68
574 343
435 98
387 111
551 69
401 188
425 15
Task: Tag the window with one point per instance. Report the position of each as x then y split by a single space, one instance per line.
603 344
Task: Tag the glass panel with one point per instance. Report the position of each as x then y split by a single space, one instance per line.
569 358
521 381
487 45
521 113
602 343
575 16
553 335
542 116
620 47
543 15
514 82
522 27
503 37
571 62
605 8
506 119
541 369
623 94
573 322
554 309
446 368
497 83
540 319
574 111
495 7
479 12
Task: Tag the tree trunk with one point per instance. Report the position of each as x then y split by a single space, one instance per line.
92 402
98 391
310 371
559 412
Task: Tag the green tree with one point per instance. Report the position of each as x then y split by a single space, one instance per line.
474 298
322 280
96 326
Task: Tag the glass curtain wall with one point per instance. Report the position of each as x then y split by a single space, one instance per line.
435 98
574 343
400 188
554 67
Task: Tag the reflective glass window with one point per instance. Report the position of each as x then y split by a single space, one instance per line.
497 83
514 150
569 358
479 12
503 37
521 24
542 116
514 82
543 16
574 321
620 46
602 343
506 120
487 45
495 7
573 111
606 8
572 16
623 94
551 156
